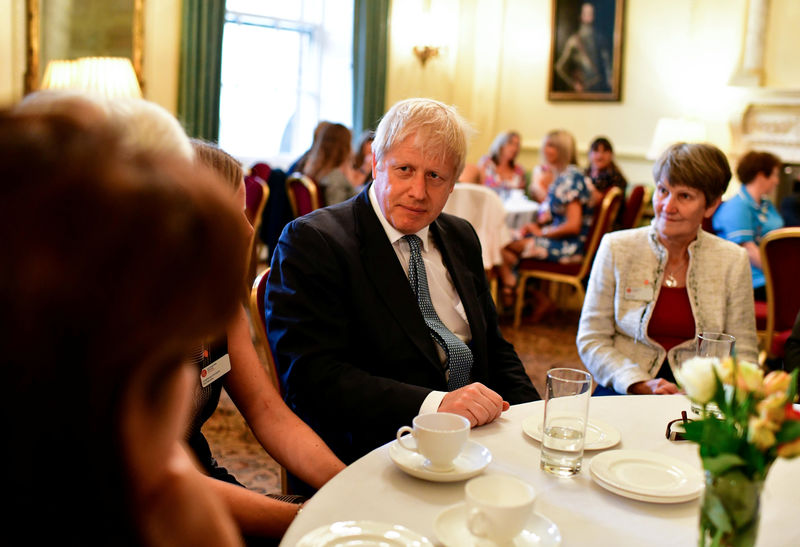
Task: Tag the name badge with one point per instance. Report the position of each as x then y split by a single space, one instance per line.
639 293
215 370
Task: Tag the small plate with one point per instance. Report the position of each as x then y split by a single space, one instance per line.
472 461
363 533
451 529
646 476
599 435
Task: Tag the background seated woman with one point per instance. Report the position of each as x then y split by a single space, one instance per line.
748 216
328 163
563 221
499 169
652 289
604 173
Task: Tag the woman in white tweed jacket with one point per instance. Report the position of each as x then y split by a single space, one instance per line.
652 289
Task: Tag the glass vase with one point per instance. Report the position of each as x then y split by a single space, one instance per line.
731 510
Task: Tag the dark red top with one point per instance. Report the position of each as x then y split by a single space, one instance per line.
672 322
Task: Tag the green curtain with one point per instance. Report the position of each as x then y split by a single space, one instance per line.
201 67
370 46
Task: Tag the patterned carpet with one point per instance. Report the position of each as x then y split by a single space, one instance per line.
541 346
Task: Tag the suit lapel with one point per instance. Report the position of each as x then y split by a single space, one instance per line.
382 267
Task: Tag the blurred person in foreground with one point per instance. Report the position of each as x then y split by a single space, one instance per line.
379 309
652 289
96 238
231 360
749 216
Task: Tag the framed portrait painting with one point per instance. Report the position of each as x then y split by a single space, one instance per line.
586 50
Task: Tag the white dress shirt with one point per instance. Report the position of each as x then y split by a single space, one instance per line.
444 295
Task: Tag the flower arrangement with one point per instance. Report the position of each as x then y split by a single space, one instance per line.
754 423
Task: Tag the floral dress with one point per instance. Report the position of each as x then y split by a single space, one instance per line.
568 186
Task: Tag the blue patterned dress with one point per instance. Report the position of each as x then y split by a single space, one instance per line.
569 186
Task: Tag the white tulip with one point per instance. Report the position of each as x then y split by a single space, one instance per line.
696 377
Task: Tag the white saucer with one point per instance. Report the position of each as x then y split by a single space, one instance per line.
646 476
599 434
451 529
363 533
472 461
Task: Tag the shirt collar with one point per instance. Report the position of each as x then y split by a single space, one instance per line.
393 233
748 199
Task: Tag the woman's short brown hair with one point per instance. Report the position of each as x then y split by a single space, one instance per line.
701 166
754 163
221 162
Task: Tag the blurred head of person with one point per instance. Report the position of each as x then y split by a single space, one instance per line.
601 155
362 153
505 148
330 150
116 261
558 149
690 179
761 168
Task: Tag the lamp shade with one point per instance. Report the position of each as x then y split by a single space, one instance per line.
671 130
107 76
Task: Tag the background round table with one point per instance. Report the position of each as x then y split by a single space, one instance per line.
373 488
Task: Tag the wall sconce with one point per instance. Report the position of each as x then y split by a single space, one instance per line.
108 76
425 52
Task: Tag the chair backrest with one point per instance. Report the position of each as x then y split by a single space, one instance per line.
604 216
261 170
303 194
258 318
634 208
483 208
256 195
780 260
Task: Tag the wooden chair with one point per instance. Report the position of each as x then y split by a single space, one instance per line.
634 208
573 274
256 196
258 319
303 194
780 260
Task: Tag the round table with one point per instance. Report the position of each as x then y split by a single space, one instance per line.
519 211
373 488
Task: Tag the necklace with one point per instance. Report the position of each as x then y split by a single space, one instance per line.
670 281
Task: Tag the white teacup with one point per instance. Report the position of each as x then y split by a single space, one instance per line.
440 438
498 506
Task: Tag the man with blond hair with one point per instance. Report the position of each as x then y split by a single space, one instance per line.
378 308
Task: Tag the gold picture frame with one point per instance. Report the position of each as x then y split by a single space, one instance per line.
118 31
586 50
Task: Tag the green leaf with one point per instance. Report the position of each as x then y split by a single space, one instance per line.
722 463
715 512
792 391
789 431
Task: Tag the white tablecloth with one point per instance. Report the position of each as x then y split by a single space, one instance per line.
519 211
373 488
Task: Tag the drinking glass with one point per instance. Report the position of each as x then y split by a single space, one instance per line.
716 345
566 411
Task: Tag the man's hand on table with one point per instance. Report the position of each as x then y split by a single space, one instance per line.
476 402
656 386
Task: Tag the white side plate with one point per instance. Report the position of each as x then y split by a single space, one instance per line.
364 533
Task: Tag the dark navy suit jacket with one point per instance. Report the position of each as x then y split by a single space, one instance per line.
354 355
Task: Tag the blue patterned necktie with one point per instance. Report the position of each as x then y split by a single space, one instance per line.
459 356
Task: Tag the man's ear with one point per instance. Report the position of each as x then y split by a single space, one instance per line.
374 167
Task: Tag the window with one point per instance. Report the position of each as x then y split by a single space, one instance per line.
286 64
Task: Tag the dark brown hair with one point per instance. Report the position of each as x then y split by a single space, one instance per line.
330 150
114 262
754 163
